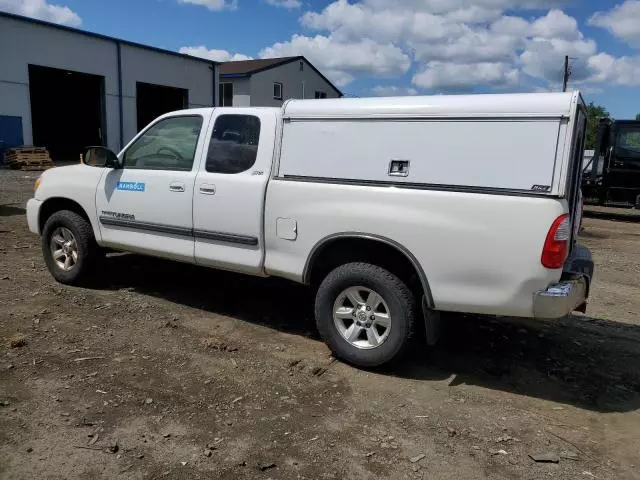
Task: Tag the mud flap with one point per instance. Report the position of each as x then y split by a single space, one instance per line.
579 264
431 323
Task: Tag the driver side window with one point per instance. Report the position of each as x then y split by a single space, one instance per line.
169 144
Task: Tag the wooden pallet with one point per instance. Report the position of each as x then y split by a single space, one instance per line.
28 158
29 150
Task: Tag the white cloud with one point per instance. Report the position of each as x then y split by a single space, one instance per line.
457 44
445 6
473 14
454 44
289 4
448 76
543 58
341 60
393 91
449 41
556 24
215 5
623 21
476 45
42 10
619 71
356 20
508 25
213 54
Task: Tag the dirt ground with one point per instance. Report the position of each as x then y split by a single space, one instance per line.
170 371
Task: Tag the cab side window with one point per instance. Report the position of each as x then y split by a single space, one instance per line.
234 144
170 144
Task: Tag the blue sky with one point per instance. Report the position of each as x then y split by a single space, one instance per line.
387 47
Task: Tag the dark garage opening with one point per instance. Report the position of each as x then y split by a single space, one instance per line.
155 100
67 111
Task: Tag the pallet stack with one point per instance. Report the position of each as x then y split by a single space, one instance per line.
28 158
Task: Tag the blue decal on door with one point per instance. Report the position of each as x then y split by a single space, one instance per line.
130 186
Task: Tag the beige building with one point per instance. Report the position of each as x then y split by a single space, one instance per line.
269 82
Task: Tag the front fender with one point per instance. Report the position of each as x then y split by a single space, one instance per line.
75 184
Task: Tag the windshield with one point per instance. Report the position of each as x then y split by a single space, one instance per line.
628 143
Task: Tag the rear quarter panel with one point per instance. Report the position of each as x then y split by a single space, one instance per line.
480 252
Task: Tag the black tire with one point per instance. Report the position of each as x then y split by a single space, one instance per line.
88 251
402 309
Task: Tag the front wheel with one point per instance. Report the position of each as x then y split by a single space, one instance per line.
365 314
69 247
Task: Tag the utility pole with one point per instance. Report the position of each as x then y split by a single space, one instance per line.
565 77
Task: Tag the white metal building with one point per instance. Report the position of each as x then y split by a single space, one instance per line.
65 89
269 82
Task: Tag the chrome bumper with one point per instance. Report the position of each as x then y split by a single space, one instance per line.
560 299
571 292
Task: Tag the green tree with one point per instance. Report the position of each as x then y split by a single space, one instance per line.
638 116
594 114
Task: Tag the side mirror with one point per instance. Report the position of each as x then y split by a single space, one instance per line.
609 156
100 157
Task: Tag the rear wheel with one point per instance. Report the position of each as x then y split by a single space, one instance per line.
365 314
69 247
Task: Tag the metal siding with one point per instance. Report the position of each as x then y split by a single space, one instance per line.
241 91
140 65
313 82
291 78
14 101
25 43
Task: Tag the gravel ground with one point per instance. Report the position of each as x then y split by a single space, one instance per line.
162 370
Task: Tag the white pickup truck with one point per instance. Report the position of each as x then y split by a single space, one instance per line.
391 209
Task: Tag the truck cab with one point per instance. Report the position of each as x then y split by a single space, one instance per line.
190 187
613 176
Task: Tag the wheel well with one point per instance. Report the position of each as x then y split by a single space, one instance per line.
339 251
53 205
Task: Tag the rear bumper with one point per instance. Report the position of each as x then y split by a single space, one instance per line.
560 299
33 210
571 292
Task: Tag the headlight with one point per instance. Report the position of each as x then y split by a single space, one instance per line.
37 184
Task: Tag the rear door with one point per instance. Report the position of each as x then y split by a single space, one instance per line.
147 205
228 202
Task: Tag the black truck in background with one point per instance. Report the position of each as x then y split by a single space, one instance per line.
612 177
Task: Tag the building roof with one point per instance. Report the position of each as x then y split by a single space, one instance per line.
246 68
104 37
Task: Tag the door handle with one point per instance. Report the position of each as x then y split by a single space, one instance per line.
207 189
176 187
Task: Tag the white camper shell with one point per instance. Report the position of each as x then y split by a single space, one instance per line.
500 143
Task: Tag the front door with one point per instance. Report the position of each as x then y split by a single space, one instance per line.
228 201
147 205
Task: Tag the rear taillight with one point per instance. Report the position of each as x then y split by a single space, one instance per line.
556 246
